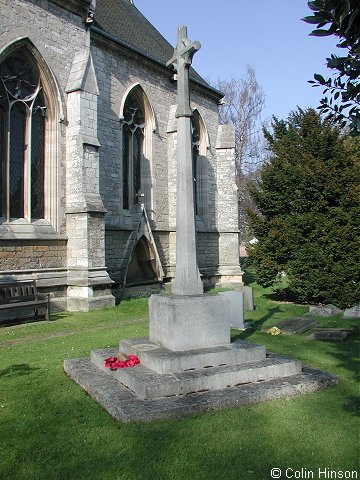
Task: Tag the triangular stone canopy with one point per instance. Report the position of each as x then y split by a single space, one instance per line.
141 242
82 75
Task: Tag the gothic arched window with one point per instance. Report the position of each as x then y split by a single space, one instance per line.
133 145
200 167
22 139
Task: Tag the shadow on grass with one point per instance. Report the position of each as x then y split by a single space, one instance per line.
353 405
31 320
347 354
248 277
21 321
280 295
20 369
258 324
59 316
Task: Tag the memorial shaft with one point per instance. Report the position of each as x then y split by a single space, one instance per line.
187 276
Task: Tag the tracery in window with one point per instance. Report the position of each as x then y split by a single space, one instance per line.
133 145
22 138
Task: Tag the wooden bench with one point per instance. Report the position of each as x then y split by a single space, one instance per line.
23 295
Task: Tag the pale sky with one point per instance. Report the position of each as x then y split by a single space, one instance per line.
267 34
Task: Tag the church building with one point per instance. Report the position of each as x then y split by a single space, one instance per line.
88 138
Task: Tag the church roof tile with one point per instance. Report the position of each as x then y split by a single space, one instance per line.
122 20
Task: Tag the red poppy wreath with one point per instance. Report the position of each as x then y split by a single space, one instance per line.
125 361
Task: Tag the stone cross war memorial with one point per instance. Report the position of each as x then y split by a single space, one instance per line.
188 363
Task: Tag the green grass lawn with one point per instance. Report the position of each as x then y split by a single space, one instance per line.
50 429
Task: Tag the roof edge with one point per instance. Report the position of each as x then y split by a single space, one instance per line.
219 95
79 7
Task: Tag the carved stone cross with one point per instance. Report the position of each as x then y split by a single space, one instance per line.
187 276
181 62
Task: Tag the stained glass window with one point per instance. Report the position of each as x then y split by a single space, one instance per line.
22 138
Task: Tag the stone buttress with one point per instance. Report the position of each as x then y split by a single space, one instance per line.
89 285
227 221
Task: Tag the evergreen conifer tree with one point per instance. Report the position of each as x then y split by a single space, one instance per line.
307 220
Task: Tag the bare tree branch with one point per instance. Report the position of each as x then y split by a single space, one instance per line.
243 103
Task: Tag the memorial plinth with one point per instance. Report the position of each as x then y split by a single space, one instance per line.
185 322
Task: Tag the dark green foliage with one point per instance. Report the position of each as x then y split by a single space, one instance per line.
308 200
342 19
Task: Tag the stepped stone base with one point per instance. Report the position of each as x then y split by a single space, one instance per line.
187 382
147 384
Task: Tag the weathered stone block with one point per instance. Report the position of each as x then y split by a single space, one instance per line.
236 300
248 297
125 406
324 310
187 322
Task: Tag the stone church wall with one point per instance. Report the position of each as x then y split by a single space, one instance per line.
27 255
115 243
116 73
58 35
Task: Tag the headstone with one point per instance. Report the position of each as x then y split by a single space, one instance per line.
332 334
353 312
248 297
324 310
236 300
295 325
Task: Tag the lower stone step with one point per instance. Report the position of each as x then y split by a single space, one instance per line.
148 384
125 406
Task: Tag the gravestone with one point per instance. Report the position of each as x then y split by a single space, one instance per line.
324 310
248 297
353 312
330 334
236 300
295 325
